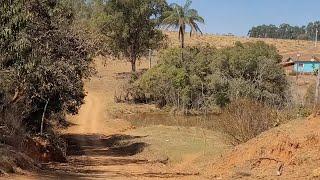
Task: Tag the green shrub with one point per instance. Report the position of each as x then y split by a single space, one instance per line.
208 77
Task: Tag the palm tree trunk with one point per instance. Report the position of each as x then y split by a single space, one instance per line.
182 40
182 46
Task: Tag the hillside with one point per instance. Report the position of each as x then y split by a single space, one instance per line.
286 48
290 151
99 140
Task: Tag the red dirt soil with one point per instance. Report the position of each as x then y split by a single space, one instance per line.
291 151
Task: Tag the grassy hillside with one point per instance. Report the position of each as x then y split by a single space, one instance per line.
286 47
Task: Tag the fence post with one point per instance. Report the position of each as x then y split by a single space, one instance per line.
316 97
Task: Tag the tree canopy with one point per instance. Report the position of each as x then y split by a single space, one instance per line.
131 27
179 17
286 31
41 60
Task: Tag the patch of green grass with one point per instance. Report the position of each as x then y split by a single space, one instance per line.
179 143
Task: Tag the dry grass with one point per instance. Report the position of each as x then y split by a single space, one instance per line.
178 144
286 47
245 123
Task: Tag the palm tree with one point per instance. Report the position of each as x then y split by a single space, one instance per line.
179 17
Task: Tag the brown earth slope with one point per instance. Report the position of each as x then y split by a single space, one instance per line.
291 151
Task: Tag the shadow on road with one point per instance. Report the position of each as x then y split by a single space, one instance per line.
99 145
106 157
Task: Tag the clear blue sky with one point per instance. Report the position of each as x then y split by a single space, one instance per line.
238 16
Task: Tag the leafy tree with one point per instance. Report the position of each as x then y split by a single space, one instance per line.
131 27
42 61
179 17
88 16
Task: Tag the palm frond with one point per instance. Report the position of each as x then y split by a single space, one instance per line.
192 13
173 5
187 5
178 17
172 18
199 19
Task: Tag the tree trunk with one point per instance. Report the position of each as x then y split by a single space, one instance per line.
182 40
182 47
43 116
133 59
133 64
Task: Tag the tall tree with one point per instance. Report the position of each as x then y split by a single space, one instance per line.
179 17
131 27
44 61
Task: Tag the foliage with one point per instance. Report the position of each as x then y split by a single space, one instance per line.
40 60
179 17
131 27
88 17
209 77
286 31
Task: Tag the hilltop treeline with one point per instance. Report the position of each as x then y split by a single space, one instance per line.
286 31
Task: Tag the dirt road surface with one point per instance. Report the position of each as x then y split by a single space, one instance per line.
98 147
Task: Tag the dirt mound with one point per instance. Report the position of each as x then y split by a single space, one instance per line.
44 150
12 161
25 156
290 151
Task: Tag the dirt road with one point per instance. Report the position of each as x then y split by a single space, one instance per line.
98 147
93 117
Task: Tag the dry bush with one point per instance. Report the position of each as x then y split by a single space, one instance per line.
310 95
12 131
244 119
129 93
294 111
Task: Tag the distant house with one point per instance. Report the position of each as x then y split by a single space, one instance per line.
306 66
301 65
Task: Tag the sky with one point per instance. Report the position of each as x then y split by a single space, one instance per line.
239 16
